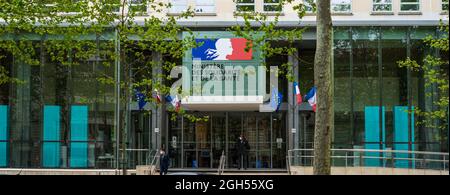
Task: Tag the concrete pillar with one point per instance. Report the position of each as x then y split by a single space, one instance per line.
157 111
293 119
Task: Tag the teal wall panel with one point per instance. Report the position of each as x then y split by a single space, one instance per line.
4 137
79 137
51 137
402 137
372 135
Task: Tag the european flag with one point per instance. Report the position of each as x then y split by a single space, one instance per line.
276 99
140 97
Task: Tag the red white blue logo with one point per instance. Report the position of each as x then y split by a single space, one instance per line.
222 49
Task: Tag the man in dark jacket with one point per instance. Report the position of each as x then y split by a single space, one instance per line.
242 151
163 162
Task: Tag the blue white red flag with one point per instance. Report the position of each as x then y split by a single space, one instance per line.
311 97
297 93
157 96
222 49
174 101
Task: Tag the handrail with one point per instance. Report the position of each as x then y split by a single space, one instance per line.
410 158
222 162
154 163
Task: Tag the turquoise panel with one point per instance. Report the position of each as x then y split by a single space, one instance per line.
372 135
51 147
402 137
4 138
79 137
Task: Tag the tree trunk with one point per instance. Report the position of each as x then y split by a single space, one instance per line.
323 83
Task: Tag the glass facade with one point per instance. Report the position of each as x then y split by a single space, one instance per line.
200 144
61 116
367 76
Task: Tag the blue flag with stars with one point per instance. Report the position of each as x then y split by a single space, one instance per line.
140 97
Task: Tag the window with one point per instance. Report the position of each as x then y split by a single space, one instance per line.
178 6
445 5
205 6
53 5
341 6
409 5
111 5
245 5
309 5
382 5
137 6
272 6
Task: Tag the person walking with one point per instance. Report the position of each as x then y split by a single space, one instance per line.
163 162
242 150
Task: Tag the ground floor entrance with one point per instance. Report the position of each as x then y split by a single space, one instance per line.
200 144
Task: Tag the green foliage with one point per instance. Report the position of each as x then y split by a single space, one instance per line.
262 30
435 72
82 32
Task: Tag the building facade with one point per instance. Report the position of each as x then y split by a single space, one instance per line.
63 117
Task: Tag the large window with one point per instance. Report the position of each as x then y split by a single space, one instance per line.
205 6
409 5
445 5
341 6
178 6
272 6
382 5
245 5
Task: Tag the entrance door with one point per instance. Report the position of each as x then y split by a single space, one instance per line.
257 128
197 144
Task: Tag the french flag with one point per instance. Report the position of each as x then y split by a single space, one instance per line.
174 101
311 97
157 96
223 49
297 93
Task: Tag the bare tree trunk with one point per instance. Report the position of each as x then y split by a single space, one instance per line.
323 82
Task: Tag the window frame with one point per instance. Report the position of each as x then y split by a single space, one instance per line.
443 4
245 4
378 11
130 4
271 4
348 11
113 5
410 3
307 5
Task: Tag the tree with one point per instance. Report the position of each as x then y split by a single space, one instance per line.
435 73
102 32
323 81
263 30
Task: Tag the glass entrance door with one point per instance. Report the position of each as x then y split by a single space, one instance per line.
203 142
197 144
266 134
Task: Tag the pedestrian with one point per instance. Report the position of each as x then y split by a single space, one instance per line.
242 151
163 162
